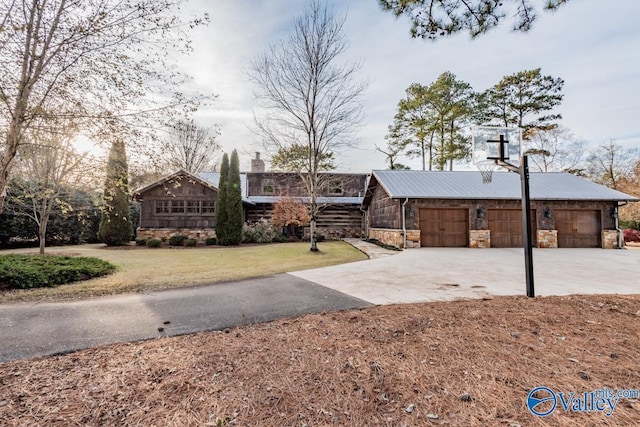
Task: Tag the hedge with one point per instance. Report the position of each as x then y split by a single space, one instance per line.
37 271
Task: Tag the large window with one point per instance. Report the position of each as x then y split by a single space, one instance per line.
208 207
177 206
193 206
182 207
162 207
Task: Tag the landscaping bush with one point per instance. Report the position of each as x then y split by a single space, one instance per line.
631 235
154 243
258 232
141 242
37 271
211 241
382 245
280 238
190 242
177 240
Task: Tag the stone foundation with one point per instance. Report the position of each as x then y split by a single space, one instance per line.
394 237
334 233
609 239
164 234
547 238
480 239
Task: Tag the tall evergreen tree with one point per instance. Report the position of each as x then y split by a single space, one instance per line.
221 204
517 97
115 227
234 202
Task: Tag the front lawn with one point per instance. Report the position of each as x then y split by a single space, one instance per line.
148 269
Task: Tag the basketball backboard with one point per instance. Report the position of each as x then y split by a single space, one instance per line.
486 144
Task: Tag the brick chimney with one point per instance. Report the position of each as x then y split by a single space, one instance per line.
257 165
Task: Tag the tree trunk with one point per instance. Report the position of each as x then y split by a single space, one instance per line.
42 231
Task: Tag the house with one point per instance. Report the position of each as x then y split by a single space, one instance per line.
183 203
455 209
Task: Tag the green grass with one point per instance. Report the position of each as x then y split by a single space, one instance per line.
141 268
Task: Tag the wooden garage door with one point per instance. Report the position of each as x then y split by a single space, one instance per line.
578 228
506 227
444 227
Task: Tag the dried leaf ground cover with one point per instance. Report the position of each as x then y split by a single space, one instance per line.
467 363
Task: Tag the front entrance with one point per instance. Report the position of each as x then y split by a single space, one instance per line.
444 227
578 228
506 228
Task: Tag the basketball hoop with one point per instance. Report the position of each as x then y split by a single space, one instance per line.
486 169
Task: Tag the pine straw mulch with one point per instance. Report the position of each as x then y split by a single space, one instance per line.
464 363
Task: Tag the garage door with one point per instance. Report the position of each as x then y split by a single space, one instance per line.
578 228
506 227
444 227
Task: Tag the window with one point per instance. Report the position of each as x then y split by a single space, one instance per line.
177 206
208 207
193 206
162 206
267 186
335 187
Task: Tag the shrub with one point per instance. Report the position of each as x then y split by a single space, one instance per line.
631 235
258 232
280 238
190 242
141 242
37 271
177 240
210 241
154 243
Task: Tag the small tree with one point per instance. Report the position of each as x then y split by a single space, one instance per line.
221 204
289 213
115 228
234 202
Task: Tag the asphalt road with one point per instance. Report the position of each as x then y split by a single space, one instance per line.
40 329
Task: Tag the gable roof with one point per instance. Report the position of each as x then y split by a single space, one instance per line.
138 193
505 185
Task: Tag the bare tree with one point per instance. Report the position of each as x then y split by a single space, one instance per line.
610 164
555 150
47 165
101 62
191 147
308 97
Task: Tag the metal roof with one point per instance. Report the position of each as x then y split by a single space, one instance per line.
504 185
214 178
321 200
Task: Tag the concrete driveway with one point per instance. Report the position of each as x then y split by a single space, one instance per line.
437 274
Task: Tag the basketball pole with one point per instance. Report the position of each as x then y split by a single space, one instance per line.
526 225
523 170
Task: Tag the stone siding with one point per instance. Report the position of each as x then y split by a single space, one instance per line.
480 239
165 233
609 239
547 238
394 237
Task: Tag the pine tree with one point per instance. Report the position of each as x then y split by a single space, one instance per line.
115 228
221 204
234 202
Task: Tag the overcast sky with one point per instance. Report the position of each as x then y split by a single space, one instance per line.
593 45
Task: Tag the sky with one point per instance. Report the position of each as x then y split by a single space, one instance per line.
592 45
